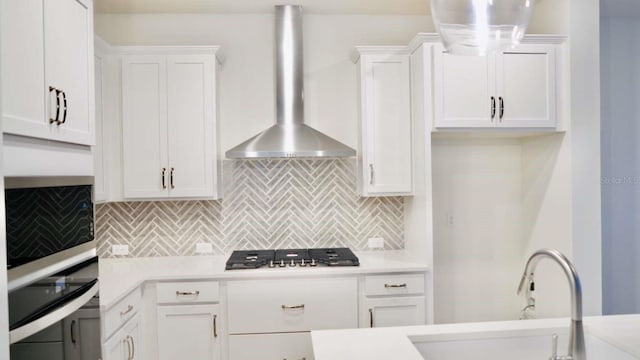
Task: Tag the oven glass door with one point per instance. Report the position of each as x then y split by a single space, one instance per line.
57 318
47 220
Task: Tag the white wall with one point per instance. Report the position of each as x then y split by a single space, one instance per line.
547 216
620 54
584 37
495 202
247 88
477 187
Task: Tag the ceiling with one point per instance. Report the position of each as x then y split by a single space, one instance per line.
373 7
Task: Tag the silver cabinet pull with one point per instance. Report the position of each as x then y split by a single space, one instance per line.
54 120
188 293
215 325
501 108
370 318
171 176
64 108
493 108
164 173
292 307
73 333
133 348
129 309
128 347
395 286
371 173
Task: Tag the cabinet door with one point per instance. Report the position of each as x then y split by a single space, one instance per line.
23 83
284 346
133 339
82 335
188 332
69 66
386 126
116 348
191 123
464 90
526 81
144 127
383 312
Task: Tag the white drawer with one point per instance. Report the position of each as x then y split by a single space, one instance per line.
402 284
124 310
295 346
192 292
292 305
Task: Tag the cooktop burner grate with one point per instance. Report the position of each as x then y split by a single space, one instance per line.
253 259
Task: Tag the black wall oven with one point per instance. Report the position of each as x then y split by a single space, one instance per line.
52 273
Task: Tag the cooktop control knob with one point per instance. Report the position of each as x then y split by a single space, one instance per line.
271 264
292 263
282 264
313 262
302 263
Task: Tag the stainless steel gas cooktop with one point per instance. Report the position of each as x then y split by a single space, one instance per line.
253 259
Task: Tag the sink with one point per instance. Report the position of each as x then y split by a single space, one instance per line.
508 345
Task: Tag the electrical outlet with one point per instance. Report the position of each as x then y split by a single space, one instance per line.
120 250
204 248
376 243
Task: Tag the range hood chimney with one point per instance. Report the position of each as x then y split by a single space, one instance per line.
289 137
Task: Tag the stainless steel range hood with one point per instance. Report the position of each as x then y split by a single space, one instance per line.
289 137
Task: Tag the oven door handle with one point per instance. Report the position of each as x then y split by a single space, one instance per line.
64 307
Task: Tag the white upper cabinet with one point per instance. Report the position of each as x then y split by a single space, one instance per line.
47 73
513 89
385 146
464 90
169 126
526 86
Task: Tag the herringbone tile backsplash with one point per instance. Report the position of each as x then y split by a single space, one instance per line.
267 204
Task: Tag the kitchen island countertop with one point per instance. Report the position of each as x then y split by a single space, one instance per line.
622 332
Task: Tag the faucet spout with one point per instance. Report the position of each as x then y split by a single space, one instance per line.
576 337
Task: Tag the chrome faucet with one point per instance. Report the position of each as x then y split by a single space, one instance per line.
576 336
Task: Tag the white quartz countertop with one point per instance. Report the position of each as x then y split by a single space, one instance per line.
119 276
622 332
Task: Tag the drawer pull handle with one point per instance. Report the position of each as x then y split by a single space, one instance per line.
129 309
394 286
370 318
215 326
188 293
133 348
292 307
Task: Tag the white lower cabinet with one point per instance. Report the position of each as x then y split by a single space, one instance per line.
393 300
271 319
291 346
125 343
266 306
188 332
383 312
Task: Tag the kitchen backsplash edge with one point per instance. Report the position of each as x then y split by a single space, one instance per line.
267 204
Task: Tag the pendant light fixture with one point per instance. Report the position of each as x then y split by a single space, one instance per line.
479 27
